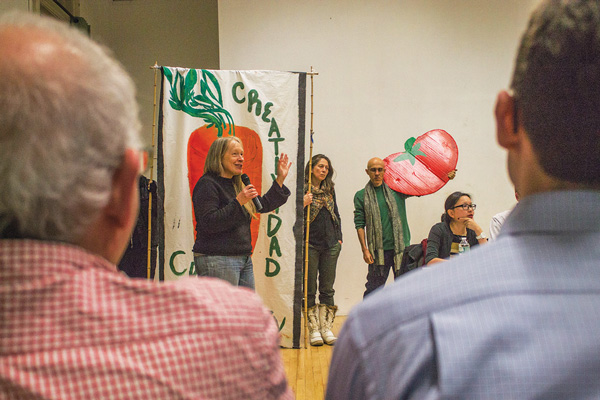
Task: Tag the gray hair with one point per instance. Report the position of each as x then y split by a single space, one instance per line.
556 85
67 116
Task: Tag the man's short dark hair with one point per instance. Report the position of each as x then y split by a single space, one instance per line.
556 85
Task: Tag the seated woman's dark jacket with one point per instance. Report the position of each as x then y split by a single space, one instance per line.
439 241
222 223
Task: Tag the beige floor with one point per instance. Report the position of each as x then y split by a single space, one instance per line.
307 369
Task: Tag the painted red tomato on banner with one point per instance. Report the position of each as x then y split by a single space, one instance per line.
198 145
424 166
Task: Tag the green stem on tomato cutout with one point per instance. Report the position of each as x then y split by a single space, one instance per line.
412 151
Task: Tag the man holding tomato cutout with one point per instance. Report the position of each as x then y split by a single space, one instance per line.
381 225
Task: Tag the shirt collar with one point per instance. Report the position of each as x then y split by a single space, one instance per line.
27 258
552 212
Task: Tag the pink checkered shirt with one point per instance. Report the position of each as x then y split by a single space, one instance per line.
72 327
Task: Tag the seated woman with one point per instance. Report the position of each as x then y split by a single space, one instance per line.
457 223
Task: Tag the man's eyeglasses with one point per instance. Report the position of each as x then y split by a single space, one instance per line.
466 207
376 170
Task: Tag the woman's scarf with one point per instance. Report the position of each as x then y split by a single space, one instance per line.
321 198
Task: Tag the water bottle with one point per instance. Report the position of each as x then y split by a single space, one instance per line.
463 246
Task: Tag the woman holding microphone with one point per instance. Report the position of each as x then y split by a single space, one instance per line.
223 209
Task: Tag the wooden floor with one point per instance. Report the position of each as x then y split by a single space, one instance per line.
307 369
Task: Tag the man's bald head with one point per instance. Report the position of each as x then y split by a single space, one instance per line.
375 170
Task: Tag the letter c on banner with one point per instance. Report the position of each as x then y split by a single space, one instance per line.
172 263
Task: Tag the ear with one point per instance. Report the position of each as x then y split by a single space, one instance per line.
506 131
451 213
122 207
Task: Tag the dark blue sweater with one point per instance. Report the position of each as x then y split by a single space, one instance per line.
222 224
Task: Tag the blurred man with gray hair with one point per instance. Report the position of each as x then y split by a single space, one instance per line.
518 318
71 325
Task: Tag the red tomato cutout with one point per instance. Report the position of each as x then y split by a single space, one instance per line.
424 165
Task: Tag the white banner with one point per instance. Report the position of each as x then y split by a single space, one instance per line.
265 109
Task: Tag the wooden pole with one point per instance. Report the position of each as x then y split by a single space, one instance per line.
308 213
151 161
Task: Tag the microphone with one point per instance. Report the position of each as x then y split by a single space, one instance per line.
256 201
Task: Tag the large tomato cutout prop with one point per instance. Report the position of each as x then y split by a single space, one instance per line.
198 145
424 166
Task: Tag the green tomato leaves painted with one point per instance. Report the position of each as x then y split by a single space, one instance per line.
208 104
412 151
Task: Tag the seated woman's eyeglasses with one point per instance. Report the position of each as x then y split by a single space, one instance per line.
467 206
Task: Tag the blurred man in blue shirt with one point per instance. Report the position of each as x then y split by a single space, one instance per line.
518 318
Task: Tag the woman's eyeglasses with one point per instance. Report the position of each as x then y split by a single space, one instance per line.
466 207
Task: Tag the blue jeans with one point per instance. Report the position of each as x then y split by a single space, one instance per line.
236 270
322 263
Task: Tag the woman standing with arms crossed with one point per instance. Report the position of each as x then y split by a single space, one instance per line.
223 210
324 246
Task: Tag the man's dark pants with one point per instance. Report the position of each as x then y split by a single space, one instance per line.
378 274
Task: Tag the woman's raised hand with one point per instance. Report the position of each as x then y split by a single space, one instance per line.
283 167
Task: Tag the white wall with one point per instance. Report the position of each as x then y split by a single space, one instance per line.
180 33
389 70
